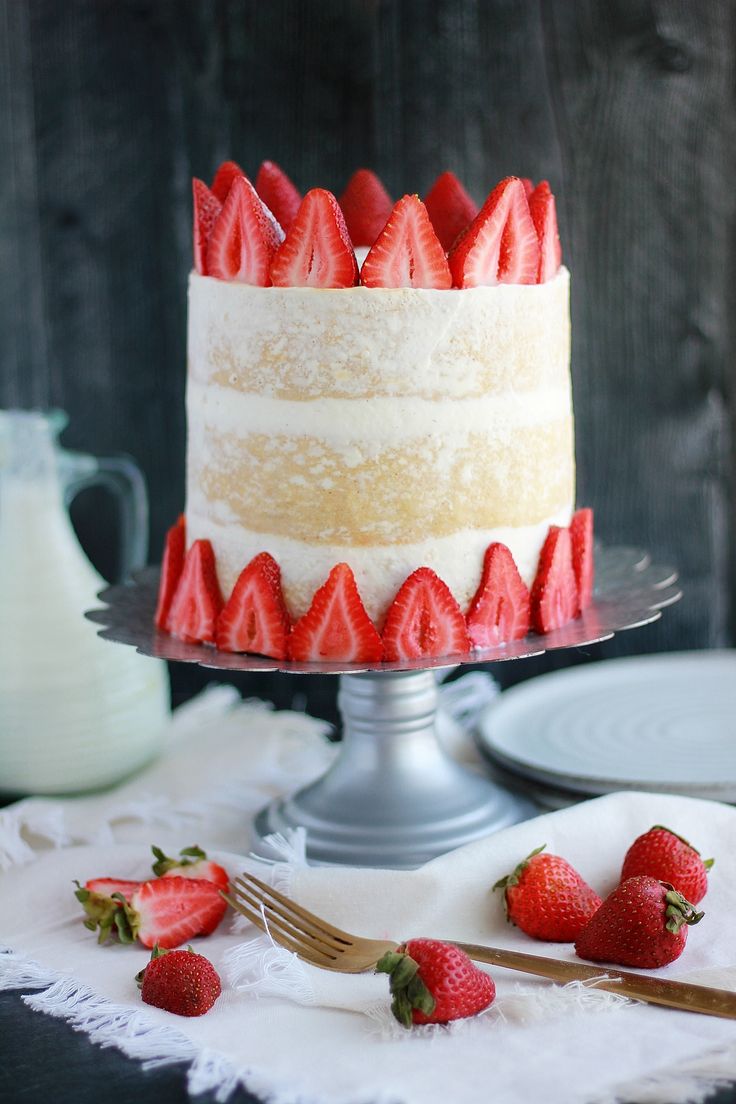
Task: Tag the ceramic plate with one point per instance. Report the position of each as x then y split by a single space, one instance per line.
665 723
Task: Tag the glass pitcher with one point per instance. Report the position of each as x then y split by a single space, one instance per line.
76 712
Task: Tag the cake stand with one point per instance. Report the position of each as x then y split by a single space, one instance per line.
394 797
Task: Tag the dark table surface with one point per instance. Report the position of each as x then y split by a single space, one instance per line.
44 1060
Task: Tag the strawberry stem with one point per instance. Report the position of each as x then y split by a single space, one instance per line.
163 862
678 910
407 988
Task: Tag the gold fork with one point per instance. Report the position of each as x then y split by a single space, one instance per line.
322 944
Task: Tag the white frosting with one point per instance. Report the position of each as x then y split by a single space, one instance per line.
385 420
353 342
379 569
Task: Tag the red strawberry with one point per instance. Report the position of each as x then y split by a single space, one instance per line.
424 620
450 208
171 568
500 608
434 982
181 982
547 898
544 217
500 246
103 910
244 238
528 185
255 618
165 911
278 193
206 207
663 854
554 596
223 180
107 886
581 541
642 923
317 251
407 252
366 205
193 864
336 625
197 602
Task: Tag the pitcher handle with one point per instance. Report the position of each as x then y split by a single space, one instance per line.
122 476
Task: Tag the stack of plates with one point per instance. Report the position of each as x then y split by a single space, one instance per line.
663 723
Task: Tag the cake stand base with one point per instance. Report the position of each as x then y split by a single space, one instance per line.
393 798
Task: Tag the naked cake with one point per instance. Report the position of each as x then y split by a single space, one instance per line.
380 459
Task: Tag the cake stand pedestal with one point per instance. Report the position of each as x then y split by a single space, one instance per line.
394 797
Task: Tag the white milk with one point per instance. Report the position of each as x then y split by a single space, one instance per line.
76 712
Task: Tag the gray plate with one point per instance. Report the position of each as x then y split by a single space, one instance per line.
665 723
630 591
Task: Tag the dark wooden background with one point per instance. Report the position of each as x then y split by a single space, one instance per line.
108 107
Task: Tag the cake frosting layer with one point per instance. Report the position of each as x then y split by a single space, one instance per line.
304 343
387 428
379 569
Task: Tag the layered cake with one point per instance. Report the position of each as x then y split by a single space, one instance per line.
380 459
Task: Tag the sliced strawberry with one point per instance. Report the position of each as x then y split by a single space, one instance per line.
528 185
317 251
280 195
224 177
544 217
255 618
198 601
107 886
336 625
450 209
170 911
499 611
500 246
164 911
171 568
554 597
407 252
192 864
206 209
366 205
424 620
581 538
244 237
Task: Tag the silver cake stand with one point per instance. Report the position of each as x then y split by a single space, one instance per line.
394 797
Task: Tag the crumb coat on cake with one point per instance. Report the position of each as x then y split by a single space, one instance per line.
385 428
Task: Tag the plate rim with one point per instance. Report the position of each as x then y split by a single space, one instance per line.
583 783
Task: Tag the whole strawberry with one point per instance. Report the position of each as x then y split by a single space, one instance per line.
164 911
433 982
547 898
663 854
642 923
179 981
192 864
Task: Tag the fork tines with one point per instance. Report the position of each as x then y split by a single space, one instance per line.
288 924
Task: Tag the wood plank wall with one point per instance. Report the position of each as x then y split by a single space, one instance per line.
108 107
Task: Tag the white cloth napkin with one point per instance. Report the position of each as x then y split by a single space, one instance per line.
292 1033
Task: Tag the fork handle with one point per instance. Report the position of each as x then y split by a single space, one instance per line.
655 990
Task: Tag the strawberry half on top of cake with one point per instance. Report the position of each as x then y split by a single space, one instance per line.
380 455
